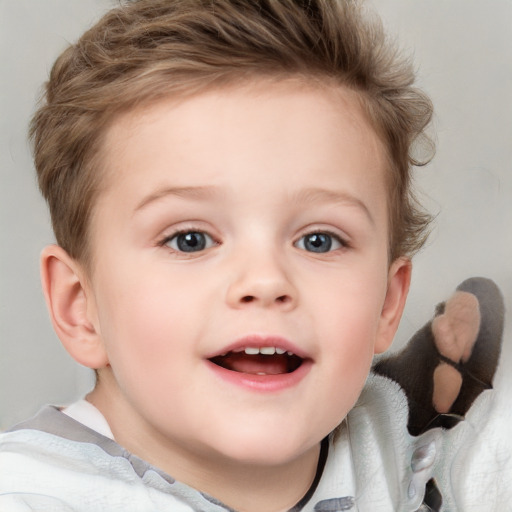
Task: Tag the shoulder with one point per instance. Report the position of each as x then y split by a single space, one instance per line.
477 456
53 439
42 467
390 465
52 462
471 462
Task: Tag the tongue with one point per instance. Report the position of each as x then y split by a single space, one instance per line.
243 363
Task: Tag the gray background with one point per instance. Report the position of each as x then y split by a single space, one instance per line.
463 49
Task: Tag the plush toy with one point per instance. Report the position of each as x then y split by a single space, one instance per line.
449 362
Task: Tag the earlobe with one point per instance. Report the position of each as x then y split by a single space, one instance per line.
399 280
66 296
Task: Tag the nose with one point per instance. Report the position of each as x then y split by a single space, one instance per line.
261 281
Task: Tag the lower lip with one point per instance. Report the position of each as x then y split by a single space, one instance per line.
263 383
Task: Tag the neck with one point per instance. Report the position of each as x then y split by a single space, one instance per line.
252 488
245 487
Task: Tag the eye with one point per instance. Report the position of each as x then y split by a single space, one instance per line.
189 241
319 242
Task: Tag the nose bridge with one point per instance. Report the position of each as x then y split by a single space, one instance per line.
261 277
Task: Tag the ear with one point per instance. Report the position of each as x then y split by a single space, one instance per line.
71 307
399 280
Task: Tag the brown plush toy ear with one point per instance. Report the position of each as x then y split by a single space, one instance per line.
451 359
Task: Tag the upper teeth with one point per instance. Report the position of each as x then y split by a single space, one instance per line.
267 351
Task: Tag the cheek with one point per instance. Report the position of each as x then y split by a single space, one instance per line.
349 326
349 365
350 352
139 324
351 307
145 352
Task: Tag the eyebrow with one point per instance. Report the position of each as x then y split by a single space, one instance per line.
310 195
200 192
321 195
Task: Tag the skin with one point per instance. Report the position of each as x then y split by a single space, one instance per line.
257 169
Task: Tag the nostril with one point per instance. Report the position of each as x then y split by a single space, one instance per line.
281 299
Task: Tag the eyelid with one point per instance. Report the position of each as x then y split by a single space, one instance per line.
341 239
178 234
173 233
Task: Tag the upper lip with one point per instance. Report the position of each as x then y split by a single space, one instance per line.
260 341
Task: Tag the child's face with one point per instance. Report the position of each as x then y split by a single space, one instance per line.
238 219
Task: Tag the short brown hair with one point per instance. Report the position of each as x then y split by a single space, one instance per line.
147 49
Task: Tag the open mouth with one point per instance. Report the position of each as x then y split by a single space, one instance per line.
259 361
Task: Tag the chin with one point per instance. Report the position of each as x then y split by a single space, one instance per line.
266 447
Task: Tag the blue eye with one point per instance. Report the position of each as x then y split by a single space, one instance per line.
190 241
319 242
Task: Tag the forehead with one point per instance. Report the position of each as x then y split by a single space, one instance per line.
286 129
309 114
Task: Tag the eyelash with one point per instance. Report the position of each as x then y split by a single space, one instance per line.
165 242
343 244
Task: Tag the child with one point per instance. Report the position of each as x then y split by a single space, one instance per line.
229 185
